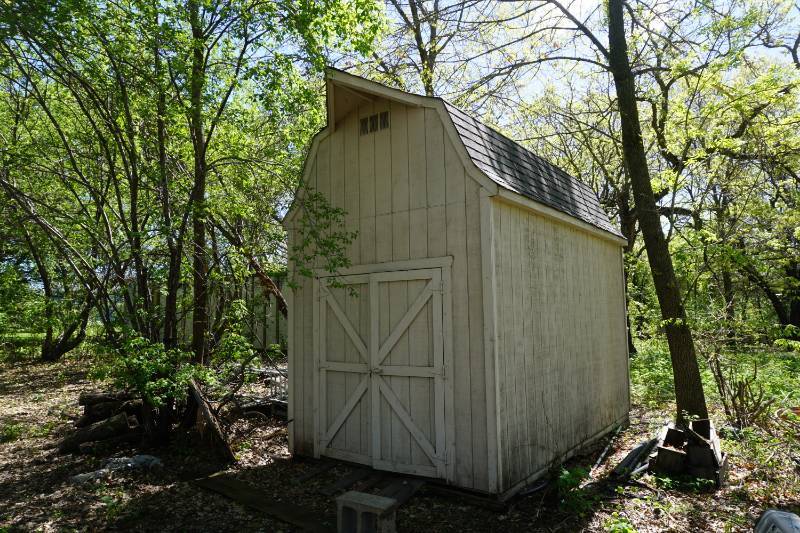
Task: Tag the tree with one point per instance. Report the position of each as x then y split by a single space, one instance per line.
470 52
689 396
673 41
144 111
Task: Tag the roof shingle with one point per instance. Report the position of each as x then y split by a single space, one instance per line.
518 169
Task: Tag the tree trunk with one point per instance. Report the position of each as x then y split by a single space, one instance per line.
175 246
627 221
199 258
786 314
217 435
793 294
689 395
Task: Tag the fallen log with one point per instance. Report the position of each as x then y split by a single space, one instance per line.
93 397
100 411
111 427
211 423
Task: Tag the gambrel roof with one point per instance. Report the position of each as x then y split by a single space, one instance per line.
514 167
503 161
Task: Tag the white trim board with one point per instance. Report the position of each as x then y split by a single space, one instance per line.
290 215
490 343
358 83
389 266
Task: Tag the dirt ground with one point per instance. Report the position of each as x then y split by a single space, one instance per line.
38 404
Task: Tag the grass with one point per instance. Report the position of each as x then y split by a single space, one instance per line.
11 432
19 346
764 458
778 374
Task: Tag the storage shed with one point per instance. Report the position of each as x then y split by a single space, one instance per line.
479 335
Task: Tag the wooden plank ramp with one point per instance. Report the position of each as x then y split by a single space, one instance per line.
402 489
313 472
345 482
253 498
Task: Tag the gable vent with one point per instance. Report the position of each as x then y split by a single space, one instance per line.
373 123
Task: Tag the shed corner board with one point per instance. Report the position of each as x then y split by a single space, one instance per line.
490 339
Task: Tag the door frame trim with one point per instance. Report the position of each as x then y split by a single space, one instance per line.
446 427
390 266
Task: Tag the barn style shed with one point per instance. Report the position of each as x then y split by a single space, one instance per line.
479 335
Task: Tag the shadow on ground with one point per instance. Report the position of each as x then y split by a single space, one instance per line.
37 494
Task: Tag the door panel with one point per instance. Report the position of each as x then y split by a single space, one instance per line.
381 366
344 370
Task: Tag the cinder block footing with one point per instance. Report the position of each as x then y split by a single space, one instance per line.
360 512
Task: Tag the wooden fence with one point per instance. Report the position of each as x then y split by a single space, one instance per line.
265 326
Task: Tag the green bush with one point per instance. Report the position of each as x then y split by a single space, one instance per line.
617 523
149 369
651 375
775 372
571 497
10 432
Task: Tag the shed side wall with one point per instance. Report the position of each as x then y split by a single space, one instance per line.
405 192
562 351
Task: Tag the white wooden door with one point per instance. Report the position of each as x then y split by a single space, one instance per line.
380 346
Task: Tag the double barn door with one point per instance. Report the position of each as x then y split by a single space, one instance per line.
380 369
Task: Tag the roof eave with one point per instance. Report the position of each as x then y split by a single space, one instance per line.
539 208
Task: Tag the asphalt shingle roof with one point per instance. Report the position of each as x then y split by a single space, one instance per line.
518 169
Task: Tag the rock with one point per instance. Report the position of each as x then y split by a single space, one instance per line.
137 462
80 479
775 521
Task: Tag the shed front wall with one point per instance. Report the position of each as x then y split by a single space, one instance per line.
562 361
405 192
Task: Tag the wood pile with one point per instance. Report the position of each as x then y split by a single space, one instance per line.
690 451
108 418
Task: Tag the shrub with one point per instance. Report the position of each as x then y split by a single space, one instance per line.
571 497
617 523
651 375
152 371
10 432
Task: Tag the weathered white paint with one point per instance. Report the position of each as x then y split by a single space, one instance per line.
516 353
406 192
562 352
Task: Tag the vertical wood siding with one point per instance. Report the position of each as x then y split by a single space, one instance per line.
561 346
405 191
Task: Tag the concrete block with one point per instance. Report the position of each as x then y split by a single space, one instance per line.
361 512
